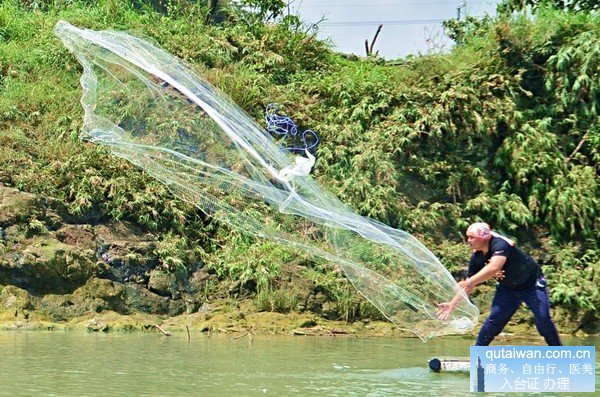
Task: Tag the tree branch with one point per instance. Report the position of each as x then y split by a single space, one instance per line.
579 145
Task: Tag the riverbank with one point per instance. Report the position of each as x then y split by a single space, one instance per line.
239 324
109 277
234 322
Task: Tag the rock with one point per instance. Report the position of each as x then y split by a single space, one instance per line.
199 280
98 295
176 307
95 326
81 236
17 206
13 233
191 303
242 290
315 302
45 265
127 254
329 310
207 309
100 288
162 283
60 307
590 323
567 321
12 297
138 298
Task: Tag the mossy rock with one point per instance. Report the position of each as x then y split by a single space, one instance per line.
98 295
570 320
12 297
100 288
18 207
200 279
162 283
92 307
177 307
138 299
110 321
48 266
80 236
129 255
59 307
591 327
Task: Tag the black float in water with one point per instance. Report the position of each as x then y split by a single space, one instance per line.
450 364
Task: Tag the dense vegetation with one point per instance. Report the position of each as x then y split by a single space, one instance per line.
505 128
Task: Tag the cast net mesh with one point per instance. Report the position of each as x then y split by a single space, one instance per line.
151 109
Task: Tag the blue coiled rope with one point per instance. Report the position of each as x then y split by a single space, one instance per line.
287 130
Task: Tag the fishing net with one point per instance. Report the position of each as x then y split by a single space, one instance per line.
148 107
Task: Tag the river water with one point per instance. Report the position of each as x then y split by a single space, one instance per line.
151 364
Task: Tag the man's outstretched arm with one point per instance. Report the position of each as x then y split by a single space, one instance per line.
492 269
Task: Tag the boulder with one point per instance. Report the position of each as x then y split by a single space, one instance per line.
99 294
80 236
17 206
59 307
127 253
201 280
138 298
12 297
45 265
162 283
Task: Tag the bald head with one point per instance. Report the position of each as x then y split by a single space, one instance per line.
481 230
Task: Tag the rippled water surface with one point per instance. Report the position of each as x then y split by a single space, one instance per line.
150 364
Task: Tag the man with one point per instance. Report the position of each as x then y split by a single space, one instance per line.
520 280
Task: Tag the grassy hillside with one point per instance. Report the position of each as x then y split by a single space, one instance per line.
505 129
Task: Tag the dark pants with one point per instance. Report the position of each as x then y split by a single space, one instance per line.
506 303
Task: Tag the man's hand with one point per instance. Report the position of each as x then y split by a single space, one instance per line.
444 311
499 275
466 286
